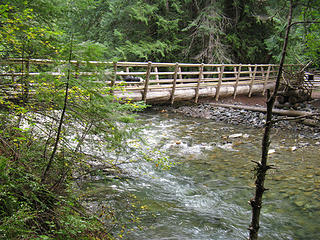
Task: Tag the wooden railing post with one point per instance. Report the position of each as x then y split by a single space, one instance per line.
114 79
250 71
266 80
252 79
200 79
174 83
221 70
146 83
237 81
262 73
127 71
180 74
157 75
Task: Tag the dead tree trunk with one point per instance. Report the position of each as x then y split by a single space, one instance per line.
262 167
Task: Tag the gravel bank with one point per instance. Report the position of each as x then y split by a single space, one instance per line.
247 118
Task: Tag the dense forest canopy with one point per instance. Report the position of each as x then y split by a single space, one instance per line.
209 31
38 157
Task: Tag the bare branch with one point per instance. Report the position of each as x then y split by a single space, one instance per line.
304 22
256 202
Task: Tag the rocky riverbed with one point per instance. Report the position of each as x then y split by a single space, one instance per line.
248 118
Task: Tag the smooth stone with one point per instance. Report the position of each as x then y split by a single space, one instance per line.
299 203
236 135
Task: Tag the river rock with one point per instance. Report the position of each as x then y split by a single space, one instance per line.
271 151
299 203
247 118
236 135
292 149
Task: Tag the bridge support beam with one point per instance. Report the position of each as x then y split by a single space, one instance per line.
165 95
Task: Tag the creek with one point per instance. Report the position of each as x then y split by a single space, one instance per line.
205 194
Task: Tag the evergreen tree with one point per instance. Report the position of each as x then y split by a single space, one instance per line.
136 30
250 27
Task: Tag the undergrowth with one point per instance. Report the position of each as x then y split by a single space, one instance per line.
30 209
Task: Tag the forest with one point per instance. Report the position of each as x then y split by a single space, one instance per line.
44 132
160 31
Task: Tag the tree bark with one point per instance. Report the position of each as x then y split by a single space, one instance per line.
56 143
262 167
44 175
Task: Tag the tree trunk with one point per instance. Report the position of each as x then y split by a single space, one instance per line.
262 167
44 175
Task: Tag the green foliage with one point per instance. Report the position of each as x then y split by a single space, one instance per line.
313 44
34 206
208 30
3 167
165 31
303 41
89 51
135 31
142 50
249 30
93 121
29 210
23 32
312 32
38 207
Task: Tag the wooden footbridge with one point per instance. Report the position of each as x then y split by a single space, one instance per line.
160 82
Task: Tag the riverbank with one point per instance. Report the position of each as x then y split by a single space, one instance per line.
206 109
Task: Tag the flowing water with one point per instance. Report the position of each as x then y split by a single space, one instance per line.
205 194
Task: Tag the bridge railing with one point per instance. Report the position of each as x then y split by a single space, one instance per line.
155 76
184 75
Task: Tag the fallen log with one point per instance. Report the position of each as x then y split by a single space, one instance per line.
290 113
296 115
